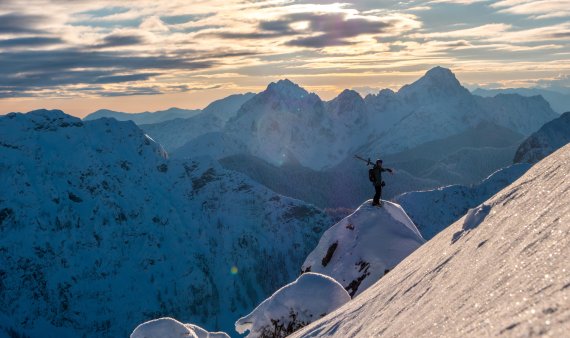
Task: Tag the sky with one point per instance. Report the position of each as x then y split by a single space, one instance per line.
146 55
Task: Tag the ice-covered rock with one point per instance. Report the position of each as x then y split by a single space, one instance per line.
364 246
295 305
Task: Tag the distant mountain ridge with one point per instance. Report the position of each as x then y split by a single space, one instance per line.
144 118
559 102
223 109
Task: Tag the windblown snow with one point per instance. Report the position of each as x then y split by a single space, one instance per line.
501 270
295 305
364 246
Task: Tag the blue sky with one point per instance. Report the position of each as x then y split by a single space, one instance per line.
145 55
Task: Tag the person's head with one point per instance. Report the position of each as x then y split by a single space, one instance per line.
379 162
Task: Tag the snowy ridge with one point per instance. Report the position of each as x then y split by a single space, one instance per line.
434 210
501 271
171 328
295 305
545 141
364 246
99 232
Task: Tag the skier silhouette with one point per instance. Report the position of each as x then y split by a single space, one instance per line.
376 178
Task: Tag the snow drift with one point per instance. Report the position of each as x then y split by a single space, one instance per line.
501 270
295 305
361 248
171 328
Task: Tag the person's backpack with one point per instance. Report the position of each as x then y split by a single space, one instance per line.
371 175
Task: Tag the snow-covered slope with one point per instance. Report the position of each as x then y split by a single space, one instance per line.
146 117
434 210
175 133
364 246
227 107
522 114
100 232
545 141
310 297
502 270
558 101
171 328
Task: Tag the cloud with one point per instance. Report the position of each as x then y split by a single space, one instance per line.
30 42
538 9
121 41
15 23
25 71
314 30
459 2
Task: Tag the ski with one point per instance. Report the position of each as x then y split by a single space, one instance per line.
368 162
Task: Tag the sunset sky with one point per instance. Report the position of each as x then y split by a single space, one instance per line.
80 56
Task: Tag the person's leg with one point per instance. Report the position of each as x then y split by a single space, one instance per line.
376 199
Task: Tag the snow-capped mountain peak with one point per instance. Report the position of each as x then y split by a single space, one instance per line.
45 119
287 89
437 81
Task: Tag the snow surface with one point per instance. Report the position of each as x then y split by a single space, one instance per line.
545 141
297 304
171 328
507 276
434 210
364 246
100 231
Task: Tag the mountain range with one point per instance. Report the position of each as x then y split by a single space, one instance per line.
100 231
559 101
433 132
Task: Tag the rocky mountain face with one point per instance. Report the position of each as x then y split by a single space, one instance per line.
552 136
500 270
100 231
